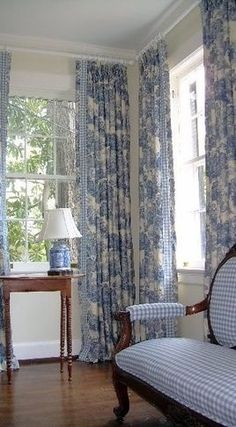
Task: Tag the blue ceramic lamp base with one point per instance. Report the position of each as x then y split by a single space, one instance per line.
59 259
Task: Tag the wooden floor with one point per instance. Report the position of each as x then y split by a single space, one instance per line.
40 396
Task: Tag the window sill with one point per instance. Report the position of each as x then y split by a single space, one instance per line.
29 267
190 276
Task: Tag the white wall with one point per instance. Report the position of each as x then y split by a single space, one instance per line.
184 38
190 291
35 321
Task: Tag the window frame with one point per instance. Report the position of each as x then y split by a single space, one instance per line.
177 73
26 176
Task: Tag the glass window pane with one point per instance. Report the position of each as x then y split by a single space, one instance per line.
37 250
17 240
65 156
203 233
194 132
63 114
201 111
40 197
15 154
41 141
66 194
202 186
16 198
40 156
193 98
37 122
16 116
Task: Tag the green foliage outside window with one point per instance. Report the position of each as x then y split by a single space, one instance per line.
36 143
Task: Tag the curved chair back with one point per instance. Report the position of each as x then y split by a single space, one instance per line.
222 302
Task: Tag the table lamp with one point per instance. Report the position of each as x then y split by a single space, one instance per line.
58 225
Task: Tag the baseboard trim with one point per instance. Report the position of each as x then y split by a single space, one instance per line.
42 350
45 360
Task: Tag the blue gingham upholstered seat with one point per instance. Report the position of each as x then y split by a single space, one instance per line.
198 376
195 374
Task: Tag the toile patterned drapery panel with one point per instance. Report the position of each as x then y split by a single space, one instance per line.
157 235
5 61
219 41
103 150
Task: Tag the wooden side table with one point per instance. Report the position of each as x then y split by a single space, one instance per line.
41 283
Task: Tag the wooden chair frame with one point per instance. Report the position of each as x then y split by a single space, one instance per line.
122 380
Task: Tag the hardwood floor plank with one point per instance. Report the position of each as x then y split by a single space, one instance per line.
40 396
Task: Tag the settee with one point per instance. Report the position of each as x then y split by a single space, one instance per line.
198 378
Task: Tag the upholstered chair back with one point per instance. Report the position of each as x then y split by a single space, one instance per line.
222 306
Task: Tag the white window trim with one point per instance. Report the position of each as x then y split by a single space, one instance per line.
193 273
193 276
191 62
29 266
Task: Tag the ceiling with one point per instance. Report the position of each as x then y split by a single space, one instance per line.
102 24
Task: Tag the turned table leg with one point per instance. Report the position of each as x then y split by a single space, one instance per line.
6 297
69 337
62 331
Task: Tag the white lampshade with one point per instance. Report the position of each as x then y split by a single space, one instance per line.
58 224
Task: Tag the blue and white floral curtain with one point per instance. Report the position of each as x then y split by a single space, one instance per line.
219 41
157 235
5 61
103 162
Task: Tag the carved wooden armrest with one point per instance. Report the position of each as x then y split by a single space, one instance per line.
126 331
197 308
144 312
152 311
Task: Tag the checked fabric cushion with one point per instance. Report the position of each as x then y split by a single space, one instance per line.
196 374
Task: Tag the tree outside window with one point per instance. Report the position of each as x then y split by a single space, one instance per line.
40 170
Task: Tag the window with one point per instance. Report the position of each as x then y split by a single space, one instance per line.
40 170
189 161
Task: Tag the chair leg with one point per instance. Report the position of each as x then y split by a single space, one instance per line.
122 395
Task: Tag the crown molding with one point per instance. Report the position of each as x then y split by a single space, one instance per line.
64 48
168 20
